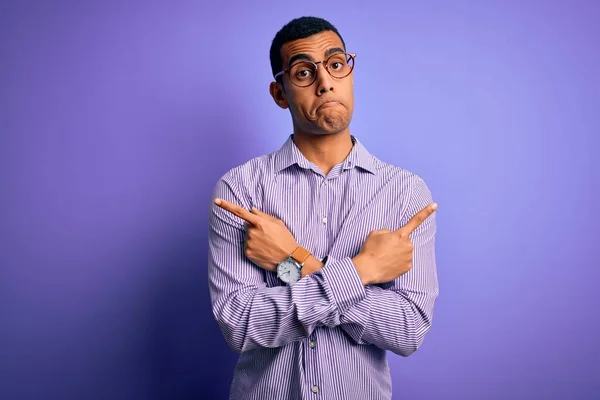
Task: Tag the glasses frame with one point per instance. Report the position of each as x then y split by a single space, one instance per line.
316 64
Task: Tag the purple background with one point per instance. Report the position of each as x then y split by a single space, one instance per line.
117 120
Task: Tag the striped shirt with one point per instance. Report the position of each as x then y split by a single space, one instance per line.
326 336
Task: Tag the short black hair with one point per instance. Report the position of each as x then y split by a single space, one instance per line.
298 28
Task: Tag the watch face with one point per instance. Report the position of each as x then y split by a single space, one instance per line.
289 271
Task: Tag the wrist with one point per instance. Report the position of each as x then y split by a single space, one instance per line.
287 251
311 266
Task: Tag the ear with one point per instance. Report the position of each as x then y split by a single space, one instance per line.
278 94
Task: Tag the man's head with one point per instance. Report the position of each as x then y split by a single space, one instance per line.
321 101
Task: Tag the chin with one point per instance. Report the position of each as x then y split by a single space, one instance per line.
326 126
333 125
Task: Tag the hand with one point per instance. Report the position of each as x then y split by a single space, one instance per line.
386 255
268 240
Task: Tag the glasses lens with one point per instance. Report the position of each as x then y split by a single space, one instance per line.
340 65
303 73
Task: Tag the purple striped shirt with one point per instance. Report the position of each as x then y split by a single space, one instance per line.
326 336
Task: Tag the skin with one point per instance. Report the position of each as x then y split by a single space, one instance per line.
383 257
268 240
322 135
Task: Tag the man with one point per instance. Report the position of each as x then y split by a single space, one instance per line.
321 255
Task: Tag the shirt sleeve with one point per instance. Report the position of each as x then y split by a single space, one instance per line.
396 315
252 315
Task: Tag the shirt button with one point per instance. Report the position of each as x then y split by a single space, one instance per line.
314 389
312 344
324 220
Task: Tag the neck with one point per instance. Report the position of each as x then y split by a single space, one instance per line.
325 151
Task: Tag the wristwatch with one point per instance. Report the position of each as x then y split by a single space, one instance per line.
290 269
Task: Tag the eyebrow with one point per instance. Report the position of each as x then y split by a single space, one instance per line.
303 56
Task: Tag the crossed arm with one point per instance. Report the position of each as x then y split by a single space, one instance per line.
393 315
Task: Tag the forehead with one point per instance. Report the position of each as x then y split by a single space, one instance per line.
314 46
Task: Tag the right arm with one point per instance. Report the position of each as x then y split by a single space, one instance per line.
252 315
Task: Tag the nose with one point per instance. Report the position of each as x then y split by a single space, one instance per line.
324 80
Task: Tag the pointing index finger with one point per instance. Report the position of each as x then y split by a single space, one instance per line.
237 210
417 220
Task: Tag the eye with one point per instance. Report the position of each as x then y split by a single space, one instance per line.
337 65
303 74
302 71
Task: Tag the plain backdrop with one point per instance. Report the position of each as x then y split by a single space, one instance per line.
117 119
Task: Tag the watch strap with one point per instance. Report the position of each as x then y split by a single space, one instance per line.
300 255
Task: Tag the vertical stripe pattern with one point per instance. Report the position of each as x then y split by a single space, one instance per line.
326 336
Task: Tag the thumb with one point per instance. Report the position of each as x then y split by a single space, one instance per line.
380 232
266 216
256 211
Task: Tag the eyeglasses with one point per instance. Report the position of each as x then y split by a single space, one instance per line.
304 73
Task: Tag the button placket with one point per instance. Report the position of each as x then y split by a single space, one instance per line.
323 201
312 371
312 354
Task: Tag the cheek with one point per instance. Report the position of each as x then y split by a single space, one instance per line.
298 106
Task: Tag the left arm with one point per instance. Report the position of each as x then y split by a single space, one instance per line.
396 315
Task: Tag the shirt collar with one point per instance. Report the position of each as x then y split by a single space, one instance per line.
289 154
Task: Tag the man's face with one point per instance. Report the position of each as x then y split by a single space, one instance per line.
326 106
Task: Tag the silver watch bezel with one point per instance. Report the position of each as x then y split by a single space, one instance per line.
293 261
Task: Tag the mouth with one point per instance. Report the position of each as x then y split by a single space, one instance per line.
329 104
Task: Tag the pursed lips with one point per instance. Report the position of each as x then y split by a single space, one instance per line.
329 104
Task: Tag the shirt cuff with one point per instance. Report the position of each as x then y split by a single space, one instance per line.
343 282
355 320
